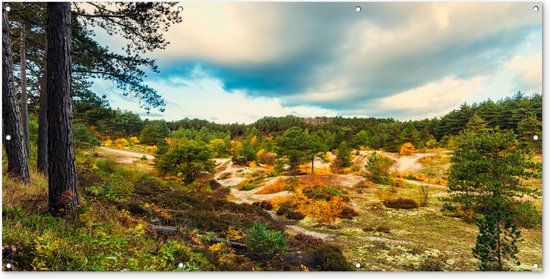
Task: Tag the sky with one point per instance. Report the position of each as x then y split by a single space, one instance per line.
238 62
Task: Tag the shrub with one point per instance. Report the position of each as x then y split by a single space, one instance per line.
401 203
121 142
329 258
407 149
378 168
278 186
133 140
264 244
348 213
186 160
265 157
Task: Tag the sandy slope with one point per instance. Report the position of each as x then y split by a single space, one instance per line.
126 157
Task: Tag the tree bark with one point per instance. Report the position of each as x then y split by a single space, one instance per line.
23 102
312 164
12 135
63 195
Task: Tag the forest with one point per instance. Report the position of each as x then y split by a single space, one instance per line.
89 187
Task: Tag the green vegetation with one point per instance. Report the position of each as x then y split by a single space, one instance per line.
486 174
343 155
264 244
378 168
136 215
187 160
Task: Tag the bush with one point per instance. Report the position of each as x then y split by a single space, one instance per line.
401 203
378 168
264 244
407 149
186 160
121 142
329 258
278 185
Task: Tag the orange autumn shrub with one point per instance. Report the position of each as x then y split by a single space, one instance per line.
269 170
277 201
322 171
278 186
321 210
407 149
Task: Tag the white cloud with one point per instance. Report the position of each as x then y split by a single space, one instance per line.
528 70
433 98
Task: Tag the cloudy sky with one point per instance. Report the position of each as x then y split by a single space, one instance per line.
237 62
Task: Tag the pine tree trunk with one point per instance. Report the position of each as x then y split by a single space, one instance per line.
63 195
24 99
18 165
312 164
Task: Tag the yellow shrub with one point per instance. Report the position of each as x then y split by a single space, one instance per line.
269 169
152 150
235 234
121 142
407 149
133 140
252 165
322 171
108 143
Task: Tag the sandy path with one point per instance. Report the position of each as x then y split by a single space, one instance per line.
126 157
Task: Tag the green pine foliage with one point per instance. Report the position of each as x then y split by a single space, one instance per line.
343 155
496 247
264 244
294 145
378 168
487 174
